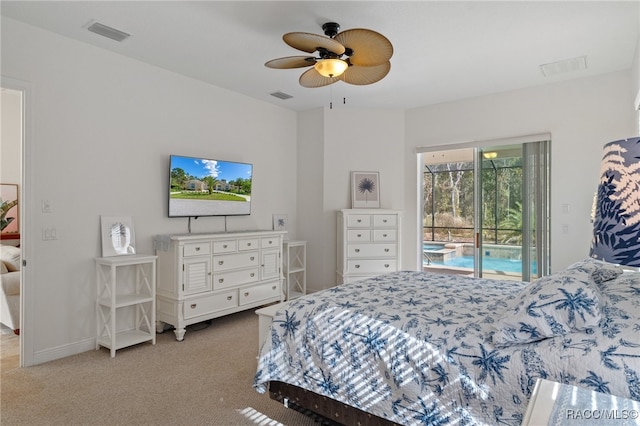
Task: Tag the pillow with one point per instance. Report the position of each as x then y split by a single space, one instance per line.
10 256
553 305
600 271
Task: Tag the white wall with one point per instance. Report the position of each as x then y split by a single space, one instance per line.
581 115
103 129
310 210
350 140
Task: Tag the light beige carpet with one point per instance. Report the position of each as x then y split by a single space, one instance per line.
204 380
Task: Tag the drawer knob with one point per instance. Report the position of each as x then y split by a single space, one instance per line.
386 265
252 274
246 293
274 287
248 244
193 305
221 280
359 235
225 246
357 266
384 235
220 262
229 297
359 220
252 258
197 248
384 220
357 250
386 250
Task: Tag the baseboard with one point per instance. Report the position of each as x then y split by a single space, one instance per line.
63 351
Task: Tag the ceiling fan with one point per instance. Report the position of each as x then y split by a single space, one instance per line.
358 56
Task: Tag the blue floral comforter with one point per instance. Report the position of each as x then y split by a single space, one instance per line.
418 348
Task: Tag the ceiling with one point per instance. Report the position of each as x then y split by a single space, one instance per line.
443 50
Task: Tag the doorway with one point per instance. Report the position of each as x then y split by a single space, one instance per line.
485 210
11 178
16 103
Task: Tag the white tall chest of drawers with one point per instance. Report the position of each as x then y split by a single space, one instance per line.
368 243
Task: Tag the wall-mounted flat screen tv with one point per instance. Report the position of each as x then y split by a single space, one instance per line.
208 187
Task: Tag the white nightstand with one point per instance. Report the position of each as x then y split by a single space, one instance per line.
265 316
133 288
295 274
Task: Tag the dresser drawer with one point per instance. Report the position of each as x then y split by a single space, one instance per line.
371 250
205 305
259 292
235 278
385 220
226 262
227 246
384 235
359 221
269 242
358 235
196 249
249 244
367 266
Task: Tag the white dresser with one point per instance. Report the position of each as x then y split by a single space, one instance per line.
204 276
368 243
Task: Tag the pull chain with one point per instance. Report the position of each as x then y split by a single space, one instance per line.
331 97
344 99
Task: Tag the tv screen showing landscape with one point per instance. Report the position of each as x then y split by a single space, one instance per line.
207 187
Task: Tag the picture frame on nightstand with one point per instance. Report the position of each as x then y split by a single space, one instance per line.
118 236
365 190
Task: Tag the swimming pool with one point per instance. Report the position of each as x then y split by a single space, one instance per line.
488 263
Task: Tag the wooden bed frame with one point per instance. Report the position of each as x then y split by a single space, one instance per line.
323 409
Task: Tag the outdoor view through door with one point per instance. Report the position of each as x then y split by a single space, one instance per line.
485 211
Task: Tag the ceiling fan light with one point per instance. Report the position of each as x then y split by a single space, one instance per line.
331 67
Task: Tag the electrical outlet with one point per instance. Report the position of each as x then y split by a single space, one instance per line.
49 234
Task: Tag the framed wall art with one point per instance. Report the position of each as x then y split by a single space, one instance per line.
9 213
118 236
280 222
365 190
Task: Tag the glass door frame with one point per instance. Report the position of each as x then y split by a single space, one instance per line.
535 196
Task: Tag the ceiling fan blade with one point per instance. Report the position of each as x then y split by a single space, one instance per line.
308 42
369 47
365 75
291 62
312 78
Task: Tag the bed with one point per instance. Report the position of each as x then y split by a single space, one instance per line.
432 349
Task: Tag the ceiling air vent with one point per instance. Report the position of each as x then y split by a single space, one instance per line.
281 95
561 67
106 31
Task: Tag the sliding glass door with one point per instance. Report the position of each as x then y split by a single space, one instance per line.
485 211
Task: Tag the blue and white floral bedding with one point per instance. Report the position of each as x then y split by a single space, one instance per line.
430 349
